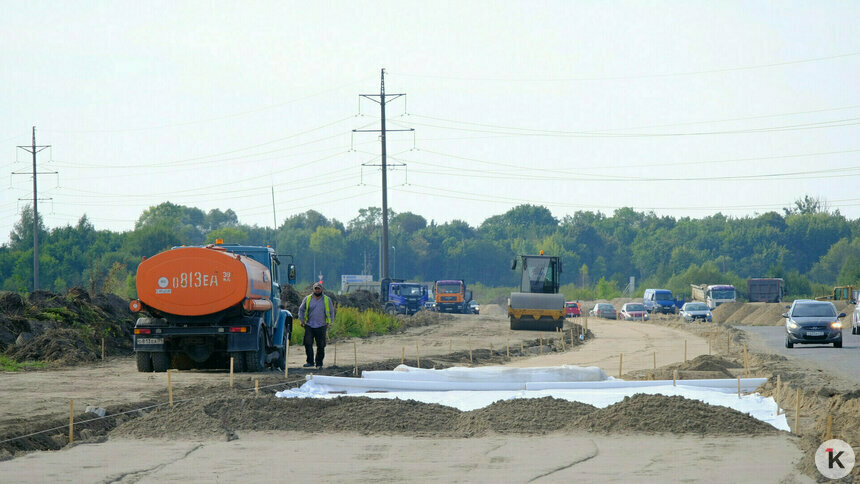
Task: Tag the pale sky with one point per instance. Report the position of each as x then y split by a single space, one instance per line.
684 108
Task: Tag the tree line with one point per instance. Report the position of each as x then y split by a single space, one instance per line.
809 245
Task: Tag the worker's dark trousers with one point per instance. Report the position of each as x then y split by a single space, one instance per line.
317 334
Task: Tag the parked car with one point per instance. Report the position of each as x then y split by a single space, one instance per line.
474 307
571 309
855 321
633 312
604 310
812 322
692 311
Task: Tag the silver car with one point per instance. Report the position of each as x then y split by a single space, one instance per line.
813 322
692 311
855 321
604 310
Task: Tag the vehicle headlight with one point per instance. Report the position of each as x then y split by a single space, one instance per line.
836 325
793 325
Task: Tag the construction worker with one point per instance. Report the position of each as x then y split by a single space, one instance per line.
316 313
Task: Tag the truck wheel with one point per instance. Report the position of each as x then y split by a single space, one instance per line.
282 360
144 362
160 361
391 310
255 361
238 362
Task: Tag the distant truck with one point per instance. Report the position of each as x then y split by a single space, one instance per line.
760 289
401 297
451 297
206 304
713 295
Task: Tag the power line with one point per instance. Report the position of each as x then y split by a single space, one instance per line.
638 76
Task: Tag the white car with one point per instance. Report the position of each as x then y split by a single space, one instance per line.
692 311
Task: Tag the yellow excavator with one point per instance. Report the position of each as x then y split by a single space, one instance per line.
841 293
538 305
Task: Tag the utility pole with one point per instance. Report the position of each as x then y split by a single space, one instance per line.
35 149
383 100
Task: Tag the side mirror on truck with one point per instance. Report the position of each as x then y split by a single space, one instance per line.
291 273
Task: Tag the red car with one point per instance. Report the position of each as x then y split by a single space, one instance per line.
571 309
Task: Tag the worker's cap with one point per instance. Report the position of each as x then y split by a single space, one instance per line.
318 285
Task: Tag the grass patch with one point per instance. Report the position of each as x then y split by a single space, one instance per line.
8 364
350 322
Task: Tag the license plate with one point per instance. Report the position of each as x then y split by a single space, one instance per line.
815 333
150 341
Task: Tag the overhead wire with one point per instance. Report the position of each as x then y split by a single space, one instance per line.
547 79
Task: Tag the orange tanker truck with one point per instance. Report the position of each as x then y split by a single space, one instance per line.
203 305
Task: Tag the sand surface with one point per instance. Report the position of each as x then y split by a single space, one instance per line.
293 456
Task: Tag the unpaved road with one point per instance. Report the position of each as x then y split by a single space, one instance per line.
632 345
276 456
843 361
116 381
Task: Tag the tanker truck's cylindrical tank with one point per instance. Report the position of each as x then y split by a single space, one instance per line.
195 281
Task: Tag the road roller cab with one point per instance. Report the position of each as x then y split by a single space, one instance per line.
538 305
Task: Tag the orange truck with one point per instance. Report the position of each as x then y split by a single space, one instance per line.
452 296
203 305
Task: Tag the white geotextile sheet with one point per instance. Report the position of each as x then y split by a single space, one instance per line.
491 374
471 395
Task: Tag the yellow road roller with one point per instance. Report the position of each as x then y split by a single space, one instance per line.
538 306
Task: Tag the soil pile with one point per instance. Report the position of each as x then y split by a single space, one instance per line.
361 300
64 328
724 311
222 416
532 416
675 414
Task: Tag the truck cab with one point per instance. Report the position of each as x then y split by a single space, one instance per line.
401 297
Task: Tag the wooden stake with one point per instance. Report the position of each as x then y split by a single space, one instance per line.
402 354
655 360
797 412
728 343
417 355
571 336
709 346
71 421
522 348
827 435
491 349
675 378
507 348
563 348
739 387
541 345
470 349
685 350
169 388
746 362
620 364
778 392
231 372
335 354
257 386
103 348
450 345
355 356
287 361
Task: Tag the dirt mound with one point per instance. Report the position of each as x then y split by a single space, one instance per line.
64 328
11 302
361 300
530 415
724 311
675 414
221 416
290 299
65 346
709 363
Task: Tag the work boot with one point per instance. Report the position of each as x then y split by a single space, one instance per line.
308 365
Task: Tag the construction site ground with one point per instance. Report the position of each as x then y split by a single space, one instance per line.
356 439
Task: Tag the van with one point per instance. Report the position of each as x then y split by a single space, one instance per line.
660 301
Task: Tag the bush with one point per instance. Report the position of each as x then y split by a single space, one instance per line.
350 322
